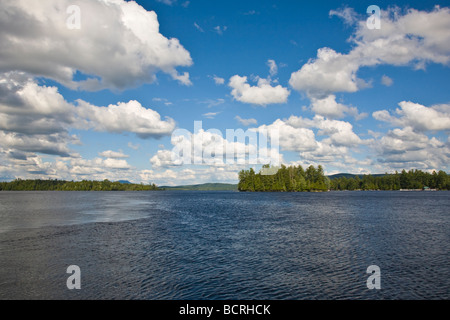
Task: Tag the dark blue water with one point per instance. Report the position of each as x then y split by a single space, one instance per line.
224 245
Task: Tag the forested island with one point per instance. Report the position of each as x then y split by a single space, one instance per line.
286 179
296 179
85 185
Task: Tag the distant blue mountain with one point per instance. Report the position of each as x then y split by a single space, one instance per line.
124 182
350 175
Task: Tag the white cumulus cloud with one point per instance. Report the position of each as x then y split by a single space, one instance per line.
125 117
262 94
330 72
292 138
415 38
330 108
118 45
417 116
37 119
113 154
337 132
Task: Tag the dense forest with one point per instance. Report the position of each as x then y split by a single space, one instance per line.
287 179
296 179
413 179
60 185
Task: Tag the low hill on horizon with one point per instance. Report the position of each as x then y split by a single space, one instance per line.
205 187
351 175
234 187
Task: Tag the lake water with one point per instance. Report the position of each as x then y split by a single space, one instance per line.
224 245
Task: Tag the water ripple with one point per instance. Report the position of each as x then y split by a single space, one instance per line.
224 245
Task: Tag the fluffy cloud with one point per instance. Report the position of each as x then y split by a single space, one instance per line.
37 119
24 165
97 166
335 149
171 177
116 164
28 108
113 154
117 46
405 148
211 148
51 144
167 176
408 146
125 117
339 133
325 153
296 134
330 108
415 38
31 166
164 159
34 118
262 94
330 72
400 140
292 138
28 165
417 116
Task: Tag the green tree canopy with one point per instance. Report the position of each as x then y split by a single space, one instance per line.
85 185
287 179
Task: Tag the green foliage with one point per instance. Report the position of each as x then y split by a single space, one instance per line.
287 179
85 185
296 179
413 179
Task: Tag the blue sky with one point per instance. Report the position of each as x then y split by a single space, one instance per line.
341 95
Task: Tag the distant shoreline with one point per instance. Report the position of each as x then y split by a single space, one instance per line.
311 179
85 185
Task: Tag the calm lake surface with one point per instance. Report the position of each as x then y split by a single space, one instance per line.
224 245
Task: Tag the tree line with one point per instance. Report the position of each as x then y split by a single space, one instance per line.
61 185
412 179
286 179
296 179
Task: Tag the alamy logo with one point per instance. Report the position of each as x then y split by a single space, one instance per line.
374 21
73 22
74 281
211 147
374 281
